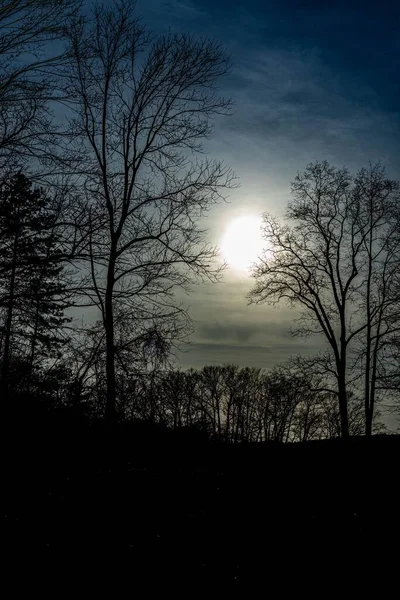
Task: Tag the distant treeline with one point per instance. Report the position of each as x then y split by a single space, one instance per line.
236 404
221 403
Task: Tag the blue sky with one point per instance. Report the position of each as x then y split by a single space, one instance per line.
310 81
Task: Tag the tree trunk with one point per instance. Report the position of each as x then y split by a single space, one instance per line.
367 386
33 343
368 422
341 362
369 416
110 411
367 391
344 418
7 333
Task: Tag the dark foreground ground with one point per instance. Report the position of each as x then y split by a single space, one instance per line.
195 509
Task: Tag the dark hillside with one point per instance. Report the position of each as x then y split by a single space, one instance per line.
178 499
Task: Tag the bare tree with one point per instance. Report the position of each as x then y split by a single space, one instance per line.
239 405
335 258
30 34
377 205
283 393
141 111
319 405
213 396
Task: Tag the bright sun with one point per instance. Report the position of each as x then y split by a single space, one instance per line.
242 242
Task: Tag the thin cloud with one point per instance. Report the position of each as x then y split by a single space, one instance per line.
264 357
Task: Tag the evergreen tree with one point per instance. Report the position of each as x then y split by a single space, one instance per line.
33 292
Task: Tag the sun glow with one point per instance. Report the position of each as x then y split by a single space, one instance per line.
242 242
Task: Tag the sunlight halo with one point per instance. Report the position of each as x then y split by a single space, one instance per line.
242 242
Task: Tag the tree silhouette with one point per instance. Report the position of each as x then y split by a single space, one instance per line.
336 259
140 109
378 217
235 405
33 291
27 78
